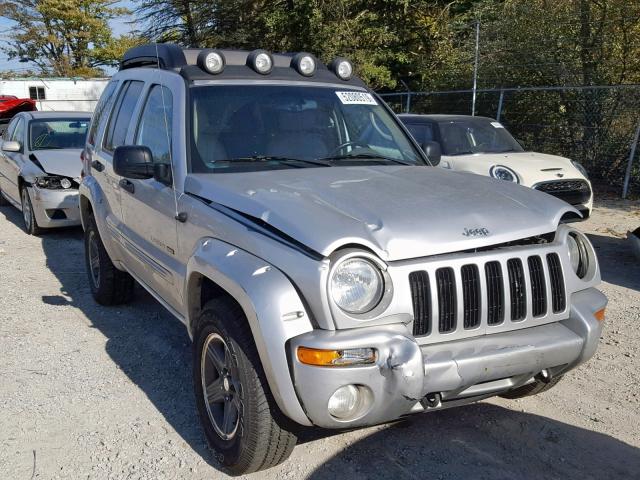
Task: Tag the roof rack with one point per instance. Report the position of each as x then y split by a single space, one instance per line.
184 61
157 55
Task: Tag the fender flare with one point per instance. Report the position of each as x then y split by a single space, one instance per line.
270 302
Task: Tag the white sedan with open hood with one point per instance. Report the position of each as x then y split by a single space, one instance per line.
40 167
483 146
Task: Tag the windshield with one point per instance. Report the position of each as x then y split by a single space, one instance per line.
476 135
257 127
58 133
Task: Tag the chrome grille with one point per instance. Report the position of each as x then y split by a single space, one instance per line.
512 290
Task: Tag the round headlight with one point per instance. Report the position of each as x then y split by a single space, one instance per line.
305 64
211 61
578 254
357 285
261 61
342 68
504 173
65 183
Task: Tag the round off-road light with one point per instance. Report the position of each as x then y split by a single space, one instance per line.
342 68
304 63
261 61
345 402
504 173
211 61
65 183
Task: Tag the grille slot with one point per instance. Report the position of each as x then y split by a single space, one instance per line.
421 298
571 191
558 296
471 295
538 287
517 289
446 283
495 293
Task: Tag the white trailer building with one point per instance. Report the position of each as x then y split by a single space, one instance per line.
56 94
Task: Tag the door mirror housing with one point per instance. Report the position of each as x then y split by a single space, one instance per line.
162 173
433 151
133 161
11 146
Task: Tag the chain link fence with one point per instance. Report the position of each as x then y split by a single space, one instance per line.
597 126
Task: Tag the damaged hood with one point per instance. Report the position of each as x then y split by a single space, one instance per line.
399 212
59 162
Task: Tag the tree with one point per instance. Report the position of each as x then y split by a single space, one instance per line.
65 37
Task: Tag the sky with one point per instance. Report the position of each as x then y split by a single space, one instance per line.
118 26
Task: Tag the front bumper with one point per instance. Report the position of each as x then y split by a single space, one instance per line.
55 208
406 374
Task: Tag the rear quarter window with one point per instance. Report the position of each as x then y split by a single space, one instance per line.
106 100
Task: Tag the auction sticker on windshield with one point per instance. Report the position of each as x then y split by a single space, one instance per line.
356 98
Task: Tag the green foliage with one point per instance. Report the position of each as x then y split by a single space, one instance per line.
65 37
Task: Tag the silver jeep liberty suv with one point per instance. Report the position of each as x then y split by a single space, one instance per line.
327 274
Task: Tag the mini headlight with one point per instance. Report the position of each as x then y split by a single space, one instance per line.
504 173
305 64
212 61
357 285
581 169
261 61
342 68
578 254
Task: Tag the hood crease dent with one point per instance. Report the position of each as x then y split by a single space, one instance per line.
398 212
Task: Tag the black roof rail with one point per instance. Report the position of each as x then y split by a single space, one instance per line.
167 56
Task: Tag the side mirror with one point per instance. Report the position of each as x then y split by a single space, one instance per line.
133 161
162 173
11 146
433 151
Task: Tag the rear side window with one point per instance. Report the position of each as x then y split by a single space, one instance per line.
105 99
121 115
154 130
422 132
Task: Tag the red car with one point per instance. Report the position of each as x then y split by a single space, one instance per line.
10 105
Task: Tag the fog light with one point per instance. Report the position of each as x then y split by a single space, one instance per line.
345 402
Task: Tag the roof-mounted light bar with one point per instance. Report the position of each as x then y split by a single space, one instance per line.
261 61
342 67
304 63
211 61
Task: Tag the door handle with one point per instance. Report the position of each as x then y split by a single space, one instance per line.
127 185
97 165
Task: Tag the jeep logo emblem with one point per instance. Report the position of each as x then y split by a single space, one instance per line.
475 232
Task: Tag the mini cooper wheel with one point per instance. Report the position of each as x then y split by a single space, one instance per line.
109 285
242 424
30 222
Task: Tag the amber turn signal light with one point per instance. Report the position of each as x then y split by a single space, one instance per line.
336 358
599 315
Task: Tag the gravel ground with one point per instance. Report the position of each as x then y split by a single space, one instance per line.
94 392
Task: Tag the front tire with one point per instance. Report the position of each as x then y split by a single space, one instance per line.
29 217
109 286
241 421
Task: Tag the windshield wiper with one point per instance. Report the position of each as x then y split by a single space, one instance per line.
366 156
273 158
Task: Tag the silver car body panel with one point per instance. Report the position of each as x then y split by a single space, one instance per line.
398 212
